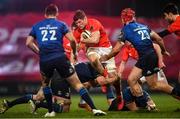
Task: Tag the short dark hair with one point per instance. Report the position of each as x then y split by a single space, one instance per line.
51 9
79 14
171 8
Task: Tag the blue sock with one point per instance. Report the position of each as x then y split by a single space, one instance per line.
85 96
142 100
48 97
176 92
110 93
57 108
20 100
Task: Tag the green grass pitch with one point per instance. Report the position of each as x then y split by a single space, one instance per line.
168 108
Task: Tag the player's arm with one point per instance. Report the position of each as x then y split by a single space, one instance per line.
121 68
31 44
159 54
71 38
116 48
113 52
101 80
164 33
160 41
88 37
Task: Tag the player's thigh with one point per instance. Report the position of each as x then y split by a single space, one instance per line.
135 74
47 68
64 67
40 95
152 79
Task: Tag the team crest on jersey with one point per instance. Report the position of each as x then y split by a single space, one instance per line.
149 72
91 28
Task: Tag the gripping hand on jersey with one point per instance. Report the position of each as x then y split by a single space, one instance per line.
104 58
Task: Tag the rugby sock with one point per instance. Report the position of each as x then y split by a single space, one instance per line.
20 100
82 101
57 107
110 93
85 96
48 96
176 92
143 100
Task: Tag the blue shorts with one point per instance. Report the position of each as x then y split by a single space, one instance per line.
86 72
61 64
148 63
60 86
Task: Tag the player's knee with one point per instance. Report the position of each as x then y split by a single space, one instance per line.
78 86
136 92
153 86
130 81
38 97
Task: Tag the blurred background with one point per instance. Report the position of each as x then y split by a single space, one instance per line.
19 69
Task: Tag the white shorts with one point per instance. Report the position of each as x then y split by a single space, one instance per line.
99 51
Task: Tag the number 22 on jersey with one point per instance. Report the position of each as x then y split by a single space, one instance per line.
45 34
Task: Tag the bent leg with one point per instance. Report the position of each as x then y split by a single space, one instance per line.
133 81
78 86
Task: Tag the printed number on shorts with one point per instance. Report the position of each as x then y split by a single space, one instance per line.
45 34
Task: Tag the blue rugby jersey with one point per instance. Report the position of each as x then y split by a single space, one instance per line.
49 34
139 35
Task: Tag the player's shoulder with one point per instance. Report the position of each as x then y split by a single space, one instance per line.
93 21
39 23
178 19
60 23
176 22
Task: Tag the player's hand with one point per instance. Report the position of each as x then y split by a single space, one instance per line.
101 80
166 53
104 58
75 58
161 64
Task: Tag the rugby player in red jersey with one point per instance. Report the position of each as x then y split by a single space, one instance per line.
171 14
92 33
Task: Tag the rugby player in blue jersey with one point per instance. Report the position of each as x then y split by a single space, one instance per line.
48 34
147 65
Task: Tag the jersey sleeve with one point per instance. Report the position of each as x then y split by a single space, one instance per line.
65 29
121 37
77 35
32 32
173 27
125 54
